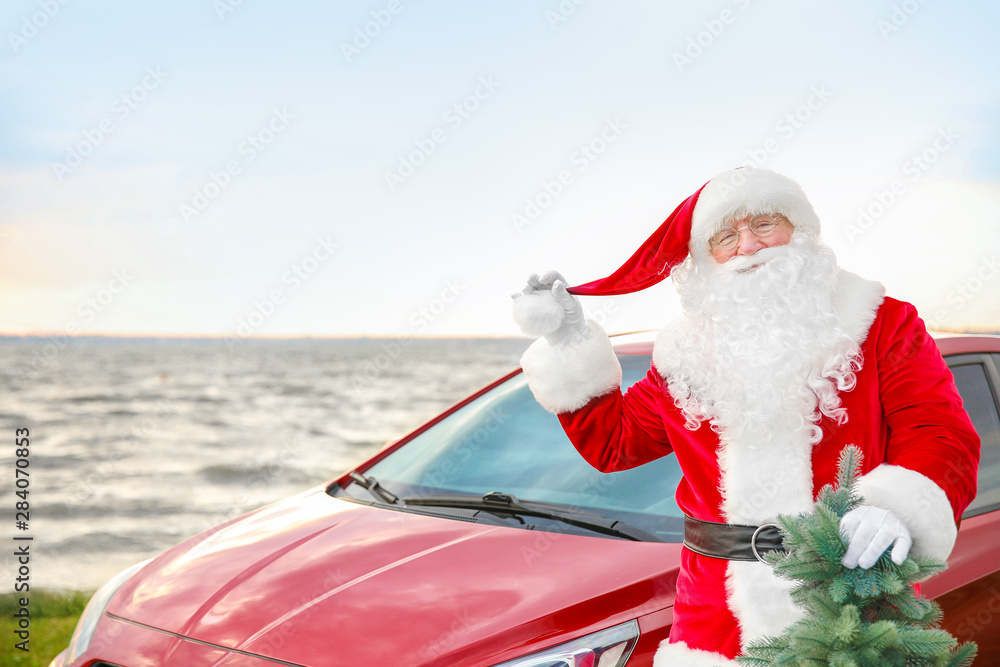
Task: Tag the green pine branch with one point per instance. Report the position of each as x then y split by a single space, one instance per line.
854 618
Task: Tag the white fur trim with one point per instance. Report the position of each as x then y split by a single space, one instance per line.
566 377
919 502
665 351
748 191
537 313
857 301
761 483
677 654
759 600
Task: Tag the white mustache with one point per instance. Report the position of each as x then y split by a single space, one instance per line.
742 263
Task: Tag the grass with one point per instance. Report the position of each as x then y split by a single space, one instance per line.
53 618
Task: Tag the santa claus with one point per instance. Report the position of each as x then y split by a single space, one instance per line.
780 361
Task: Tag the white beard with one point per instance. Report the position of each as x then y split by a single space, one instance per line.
761 352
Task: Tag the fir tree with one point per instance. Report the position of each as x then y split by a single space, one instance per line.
854 618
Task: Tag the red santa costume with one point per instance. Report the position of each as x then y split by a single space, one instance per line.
781 360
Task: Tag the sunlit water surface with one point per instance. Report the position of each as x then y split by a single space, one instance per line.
137 444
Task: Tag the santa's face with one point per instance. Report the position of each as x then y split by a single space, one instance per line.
749 243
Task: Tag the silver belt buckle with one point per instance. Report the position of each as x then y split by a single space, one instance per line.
753 540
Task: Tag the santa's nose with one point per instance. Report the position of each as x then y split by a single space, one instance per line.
748 243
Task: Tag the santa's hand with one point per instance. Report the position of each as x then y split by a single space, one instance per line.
545 308
869 531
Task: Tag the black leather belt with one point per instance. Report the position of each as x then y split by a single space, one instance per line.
731 541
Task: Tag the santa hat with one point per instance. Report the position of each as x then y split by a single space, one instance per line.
731 195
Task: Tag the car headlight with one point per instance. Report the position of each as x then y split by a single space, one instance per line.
87 624
607 648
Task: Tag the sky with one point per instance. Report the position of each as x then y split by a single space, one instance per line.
245 168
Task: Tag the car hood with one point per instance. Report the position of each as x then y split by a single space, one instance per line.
315 580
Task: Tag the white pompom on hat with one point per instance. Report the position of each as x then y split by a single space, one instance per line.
538 313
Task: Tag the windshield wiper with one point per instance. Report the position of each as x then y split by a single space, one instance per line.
371 484
506 503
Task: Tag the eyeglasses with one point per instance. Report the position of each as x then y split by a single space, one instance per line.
762 225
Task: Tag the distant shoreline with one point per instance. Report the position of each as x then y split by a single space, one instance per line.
191 338
222 339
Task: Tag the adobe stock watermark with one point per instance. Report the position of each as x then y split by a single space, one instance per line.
224 7
899 16
786 127
544 539
370 30
703 40
247 152
261 475
420 320
911 169
462 623
88 484
33 24
260 480
927 501
980 619
562 12
437 477
599 315
454 117
121 108
552 188
790 123
291 280
92 305
87 311
306 608
967 290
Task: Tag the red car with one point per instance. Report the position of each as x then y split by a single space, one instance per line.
482 538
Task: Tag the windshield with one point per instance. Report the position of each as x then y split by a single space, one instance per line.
505 441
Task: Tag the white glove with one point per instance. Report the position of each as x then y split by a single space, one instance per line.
869 531
545 308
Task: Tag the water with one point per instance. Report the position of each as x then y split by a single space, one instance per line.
137 444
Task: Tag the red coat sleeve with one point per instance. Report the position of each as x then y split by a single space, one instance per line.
928 429
615 432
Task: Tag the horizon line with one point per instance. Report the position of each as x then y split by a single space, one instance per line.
225 337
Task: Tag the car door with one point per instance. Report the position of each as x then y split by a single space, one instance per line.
969 591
